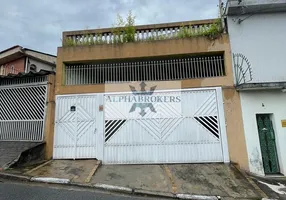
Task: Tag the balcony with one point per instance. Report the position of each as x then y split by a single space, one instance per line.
88 59
236 7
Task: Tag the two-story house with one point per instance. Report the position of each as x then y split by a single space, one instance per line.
26 104
257 37
18 59
162 95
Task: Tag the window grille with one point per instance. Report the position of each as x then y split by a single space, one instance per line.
145 70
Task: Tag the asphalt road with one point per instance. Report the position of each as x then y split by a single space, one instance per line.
27 191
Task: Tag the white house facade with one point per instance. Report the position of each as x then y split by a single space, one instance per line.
257 37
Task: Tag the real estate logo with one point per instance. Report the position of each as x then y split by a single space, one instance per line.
144 99
143 93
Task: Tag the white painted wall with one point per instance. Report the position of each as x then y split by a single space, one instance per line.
274 103
261 38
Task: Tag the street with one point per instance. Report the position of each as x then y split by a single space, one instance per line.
29 191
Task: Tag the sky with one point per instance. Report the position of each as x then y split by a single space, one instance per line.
38 24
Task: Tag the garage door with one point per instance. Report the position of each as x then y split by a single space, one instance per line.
189 129
78 127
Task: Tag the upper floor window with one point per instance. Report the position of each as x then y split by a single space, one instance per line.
12 69
156 69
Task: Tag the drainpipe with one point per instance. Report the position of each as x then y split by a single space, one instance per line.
26 64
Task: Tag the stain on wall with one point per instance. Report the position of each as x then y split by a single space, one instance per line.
256 162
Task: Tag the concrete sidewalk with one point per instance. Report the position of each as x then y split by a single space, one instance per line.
185 181
273 186
78 171
198 179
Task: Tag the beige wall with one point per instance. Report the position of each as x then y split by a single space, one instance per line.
234 128
196 45
50 117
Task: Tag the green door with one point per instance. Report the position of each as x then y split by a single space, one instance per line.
267 144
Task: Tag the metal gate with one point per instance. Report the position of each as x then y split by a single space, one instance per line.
22 111
77 133
193 133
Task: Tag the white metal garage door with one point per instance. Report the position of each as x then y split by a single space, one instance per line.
77 130
191 134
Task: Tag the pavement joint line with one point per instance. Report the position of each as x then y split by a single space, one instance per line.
92 172
263 194
169 174
38 167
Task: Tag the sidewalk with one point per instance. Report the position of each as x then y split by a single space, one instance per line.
273 186
185 181
199 179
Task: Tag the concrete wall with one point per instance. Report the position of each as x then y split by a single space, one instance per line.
262 40
145 49
274 103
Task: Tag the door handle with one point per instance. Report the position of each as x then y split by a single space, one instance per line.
95 130
272 135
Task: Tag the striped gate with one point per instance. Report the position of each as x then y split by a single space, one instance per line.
192 132
22 110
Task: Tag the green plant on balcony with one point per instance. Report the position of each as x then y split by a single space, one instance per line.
129 30
124 30
68 42
214 31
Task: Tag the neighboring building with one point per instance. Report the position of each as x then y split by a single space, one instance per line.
26 116
94 75
257 36
18 59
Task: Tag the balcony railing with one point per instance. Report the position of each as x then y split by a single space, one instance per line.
143 33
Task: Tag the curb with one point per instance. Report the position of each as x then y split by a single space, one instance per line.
154 193
14 177
50 180
111 188
196 197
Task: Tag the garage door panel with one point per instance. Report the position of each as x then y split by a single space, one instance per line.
131 132
76 134
199 102
190 131
167 153
186 133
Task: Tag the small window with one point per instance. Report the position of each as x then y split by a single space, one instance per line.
12 69
33 68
